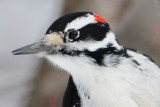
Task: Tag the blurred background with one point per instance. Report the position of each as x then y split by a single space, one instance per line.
27 81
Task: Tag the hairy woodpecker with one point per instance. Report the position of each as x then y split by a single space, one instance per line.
102 72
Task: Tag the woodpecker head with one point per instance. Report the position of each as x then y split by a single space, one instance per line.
72 35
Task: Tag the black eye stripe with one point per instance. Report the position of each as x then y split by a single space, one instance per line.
96 31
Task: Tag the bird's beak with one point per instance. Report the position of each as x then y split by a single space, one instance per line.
51 42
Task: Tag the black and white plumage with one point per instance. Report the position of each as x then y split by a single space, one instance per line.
103 73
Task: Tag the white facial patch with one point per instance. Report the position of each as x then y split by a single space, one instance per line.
80 22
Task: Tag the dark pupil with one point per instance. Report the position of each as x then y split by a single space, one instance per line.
73 34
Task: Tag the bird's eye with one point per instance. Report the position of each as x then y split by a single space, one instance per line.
72 35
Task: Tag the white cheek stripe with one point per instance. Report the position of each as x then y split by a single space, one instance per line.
80 22
94 45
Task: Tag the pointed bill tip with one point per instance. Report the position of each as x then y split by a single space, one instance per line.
20 51
29 49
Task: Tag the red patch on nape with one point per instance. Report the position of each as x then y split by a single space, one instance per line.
99 18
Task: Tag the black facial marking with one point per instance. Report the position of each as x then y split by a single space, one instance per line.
109 45
94 31
99 54
60 24
71 97
71 53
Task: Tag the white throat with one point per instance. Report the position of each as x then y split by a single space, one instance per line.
96 84
90 78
